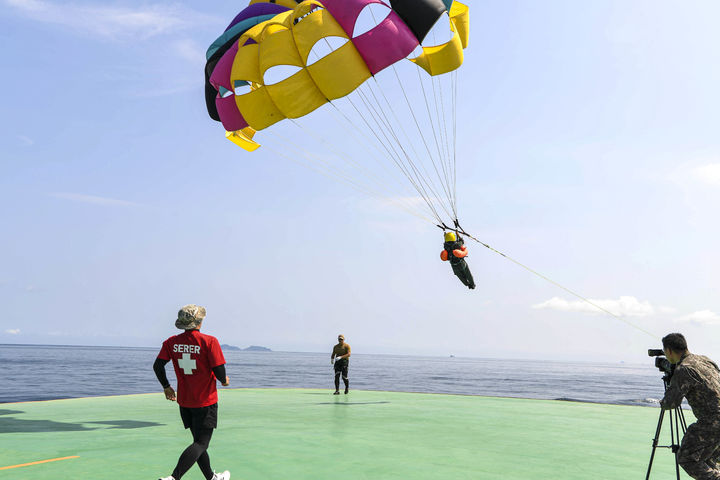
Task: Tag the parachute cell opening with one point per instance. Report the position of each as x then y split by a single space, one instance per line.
440 33
325 47
278 73
242 87
370 17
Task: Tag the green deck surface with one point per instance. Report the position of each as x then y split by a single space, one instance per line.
311 434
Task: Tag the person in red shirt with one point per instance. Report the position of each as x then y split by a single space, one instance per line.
199 362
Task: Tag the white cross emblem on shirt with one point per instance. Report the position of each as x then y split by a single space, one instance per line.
187 364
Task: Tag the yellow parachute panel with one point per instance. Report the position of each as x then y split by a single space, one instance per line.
314 27
277 46
460 16
296 95
445 58
243 139
256 107
338 73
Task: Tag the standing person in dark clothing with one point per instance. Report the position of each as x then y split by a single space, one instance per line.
455 251
697 378
341 357
199 362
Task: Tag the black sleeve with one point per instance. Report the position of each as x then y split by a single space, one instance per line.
219 372
159 367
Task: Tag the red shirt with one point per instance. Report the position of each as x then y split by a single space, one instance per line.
194 355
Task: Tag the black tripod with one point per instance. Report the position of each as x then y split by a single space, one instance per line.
677 421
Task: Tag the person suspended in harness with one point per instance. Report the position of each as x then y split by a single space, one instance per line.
455 251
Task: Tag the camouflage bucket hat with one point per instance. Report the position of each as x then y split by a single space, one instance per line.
189 317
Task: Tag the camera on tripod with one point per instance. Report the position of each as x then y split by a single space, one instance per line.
676 417
662 363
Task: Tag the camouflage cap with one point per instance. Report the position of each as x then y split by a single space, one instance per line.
190 317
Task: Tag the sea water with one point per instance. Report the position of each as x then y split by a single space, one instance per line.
44 372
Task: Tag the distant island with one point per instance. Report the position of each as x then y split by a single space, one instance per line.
251 348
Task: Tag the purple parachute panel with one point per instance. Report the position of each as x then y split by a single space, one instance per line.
256 10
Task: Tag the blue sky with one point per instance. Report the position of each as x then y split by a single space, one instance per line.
588 149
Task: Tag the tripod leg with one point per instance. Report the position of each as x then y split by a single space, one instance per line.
655 442
675 433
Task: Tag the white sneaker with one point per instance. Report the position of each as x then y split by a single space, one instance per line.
222 476
170 477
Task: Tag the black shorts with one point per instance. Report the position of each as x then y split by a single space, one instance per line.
341 366
197 418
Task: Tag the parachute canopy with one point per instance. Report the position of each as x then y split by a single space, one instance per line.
264 36
284 59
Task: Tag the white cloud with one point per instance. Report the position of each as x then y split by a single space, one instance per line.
708 173
94 200
108 21
189 50
13 331
27 141
624 306
703 317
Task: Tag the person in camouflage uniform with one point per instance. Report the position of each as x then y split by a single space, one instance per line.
697 378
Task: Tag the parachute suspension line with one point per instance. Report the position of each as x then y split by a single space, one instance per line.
435 129
414 184
395 160
448 111
417 180
368 140
454 130
323 166
402 187
417 124
381 117
577 295
439 120
351 132
340 155
442 119
328 169
427 107
329 172
428 178
442 122
383 188
354 128
438 97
